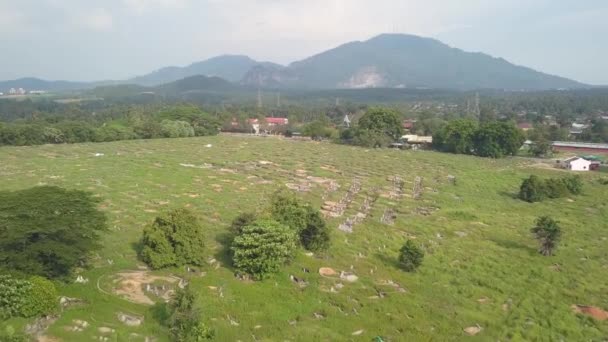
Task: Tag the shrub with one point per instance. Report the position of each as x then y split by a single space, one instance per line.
548 232
176 129
263 247
574 184
244 219
555 188
185 318
410 256
26 298
532 189
306 221
48 230
315 237
173 239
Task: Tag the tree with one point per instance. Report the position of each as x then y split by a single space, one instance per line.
497 139
541 148
456 137
574 184
548 233
185 318
532 189
315 237
263 247
410 256
378 127
555 188
173 239
176 129
48 230
305 220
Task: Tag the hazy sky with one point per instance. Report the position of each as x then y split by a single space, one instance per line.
117 39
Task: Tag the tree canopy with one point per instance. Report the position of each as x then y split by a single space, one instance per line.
48 230
174 238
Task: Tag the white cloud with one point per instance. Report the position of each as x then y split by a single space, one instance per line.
141 6
96 19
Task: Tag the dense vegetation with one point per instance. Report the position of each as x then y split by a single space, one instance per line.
48 230
175 238
35 296
535 189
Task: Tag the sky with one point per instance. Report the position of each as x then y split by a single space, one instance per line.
90 40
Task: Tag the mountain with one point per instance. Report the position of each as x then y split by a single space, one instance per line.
399 61
31 83
228 67
198 83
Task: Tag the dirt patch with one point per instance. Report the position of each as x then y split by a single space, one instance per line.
595 312
327 272
135 286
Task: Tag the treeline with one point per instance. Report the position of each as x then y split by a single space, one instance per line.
168 122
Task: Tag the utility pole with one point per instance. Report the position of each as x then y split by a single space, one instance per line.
477 109
259 98
278 99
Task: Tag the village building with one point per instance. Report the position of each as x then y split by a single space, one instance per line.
571 146
576 164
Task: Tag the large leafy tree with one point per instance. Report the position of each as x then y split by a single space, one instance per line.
173 239
456 137
497 139
263 247
48 230
378 127
548 233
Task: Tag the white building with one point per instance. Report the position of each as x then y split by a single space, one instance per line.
577 164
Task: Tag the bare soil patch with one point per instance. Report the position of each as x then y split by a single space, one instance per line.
135 286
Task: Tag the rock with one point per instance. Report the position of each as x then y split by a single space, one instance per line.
105 330
358 332
81 280
130 320
472 331
349 277
460 234
327 272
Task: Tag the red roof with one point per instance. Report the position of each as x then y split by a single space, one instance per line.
408 124
277 121
524 125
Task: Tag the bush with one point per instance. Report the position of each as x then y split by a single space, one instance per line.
410 256
244 219
532 189
48 230
173 239
555 188
10 335
306 221
176 129
548 232
185 318
315 237
574 184
26 298
263 247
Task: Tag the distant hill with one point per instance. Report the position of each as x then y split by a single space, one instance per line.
31 83
399 61
197 83
228 67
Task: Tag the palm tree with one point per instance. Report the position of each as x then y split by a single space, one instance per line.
548 232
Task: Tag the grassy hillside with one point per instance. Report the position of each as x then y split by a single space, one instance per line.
481 266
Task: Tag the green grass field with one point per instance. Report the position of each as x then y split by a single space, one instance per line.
481 265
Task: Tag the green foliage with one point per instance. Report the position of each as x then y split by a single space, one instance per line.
185 318
555 188
10 335
114 133
541 148
306 221
48 230
320 129
410 256
548 233
173 239
263 247
242 220
497 139
41 299
456 137
574 184
26 298
532 189
378 127
315 237
176 129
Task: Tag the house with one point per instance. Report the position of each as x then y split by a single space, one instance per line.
408 124
525 126
417 139
277 121
576 164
